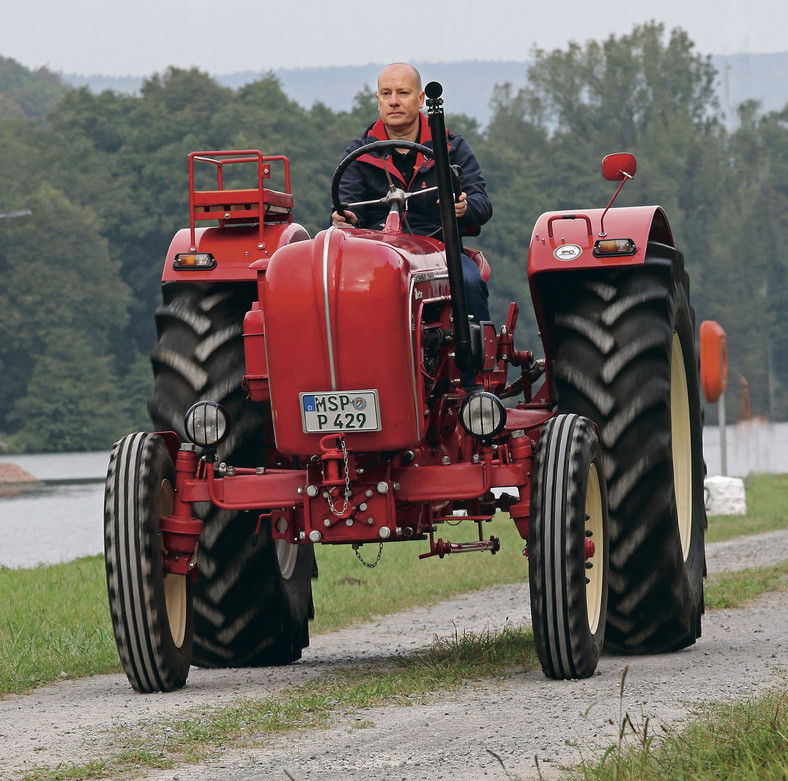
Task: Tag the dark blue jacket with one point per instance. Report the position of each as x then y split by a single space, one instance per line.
365 179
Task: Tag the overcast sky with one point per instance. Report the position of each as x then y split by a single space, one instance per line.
140 37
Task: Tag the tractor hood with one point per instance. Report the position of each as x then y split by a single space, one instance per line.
341 338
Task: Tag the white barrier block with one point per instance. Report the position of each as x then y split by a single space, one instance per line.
725 496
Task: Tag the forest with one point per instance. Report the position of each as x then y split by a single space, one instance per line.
104 178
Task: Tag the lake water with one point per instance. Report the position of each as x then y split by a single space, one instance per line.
59 519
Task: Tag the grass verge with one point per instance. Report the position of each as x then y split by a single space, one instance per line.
55 622
735 589
747 741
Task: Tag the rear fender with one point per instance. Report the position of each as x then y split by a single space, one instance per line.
234 250
567 243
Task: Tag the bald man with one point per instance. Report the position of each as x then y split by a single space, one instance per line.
400 99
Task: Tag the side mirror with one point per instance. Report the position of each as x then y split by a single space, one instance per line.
617 168
620 166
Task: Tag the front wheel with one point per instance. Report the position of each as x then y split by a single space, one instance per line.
568 548
151 609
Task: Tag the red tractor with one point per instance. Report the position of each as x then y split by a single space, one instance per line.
307 391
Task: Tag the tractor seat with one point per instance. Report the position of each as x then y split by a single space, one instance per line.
476 256
241 205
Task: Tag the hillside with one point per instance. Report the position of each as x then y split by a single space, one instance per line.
470 84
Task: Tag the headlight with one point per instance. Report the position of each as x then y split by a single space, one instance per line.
206 423
482 415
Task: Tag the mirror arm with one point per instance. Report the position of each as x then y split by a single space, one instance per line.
624 177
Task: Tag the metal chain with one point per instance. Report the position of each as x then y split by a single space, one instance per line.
348 492
367 564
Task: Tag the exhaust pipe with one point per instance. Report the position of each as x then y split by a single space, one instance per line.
464 353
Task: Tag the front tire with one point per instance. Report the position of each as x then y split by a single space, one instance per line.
568 548
625 358
151 609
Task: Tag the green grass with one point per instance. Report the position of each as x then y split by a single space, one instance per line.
734 589
54 623
767 510
747 741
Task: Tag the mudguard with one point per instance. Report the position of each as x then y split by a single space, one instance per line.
564 241
567 243
234 251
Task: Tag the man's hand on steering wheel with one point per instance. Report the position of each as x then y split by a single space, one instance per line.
461 205
346 218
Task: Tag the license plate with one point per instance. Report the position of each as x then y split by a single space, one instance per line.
340 411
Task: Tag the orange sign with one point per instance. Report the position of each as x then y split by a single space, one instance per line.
713 360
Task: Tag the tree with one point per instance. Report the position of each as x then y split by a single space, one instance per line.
57 277
31 94
645 92
759 151
615 89
73 401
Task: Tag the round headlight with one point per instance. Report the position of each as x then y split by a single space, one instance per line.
483 415
206 423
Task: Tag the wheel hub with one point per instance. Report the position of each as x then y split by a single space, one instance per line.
174 585
681 444
594 567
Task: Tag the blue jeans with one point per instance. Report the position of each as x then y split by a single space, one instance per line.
477 295
475 290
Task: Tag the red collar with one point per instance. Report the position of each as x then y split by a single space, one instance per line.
378 132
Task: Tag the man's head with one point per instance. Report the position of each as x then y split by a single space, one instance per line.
400 97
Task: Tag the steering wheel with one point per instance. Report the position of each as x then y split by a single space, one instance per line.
394 195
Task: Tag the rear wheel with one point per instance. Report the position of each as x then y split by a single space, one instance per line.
252 603
567 548
151 609
256 601
625 357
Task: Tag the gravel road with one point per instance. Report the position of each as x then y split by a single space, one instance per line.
451 735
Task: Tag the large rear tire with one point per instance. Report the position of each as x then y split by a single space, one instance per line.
252 604
567 548
625 358
151 609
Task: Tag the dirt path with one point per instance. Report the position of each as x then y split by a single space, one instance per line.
449 737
